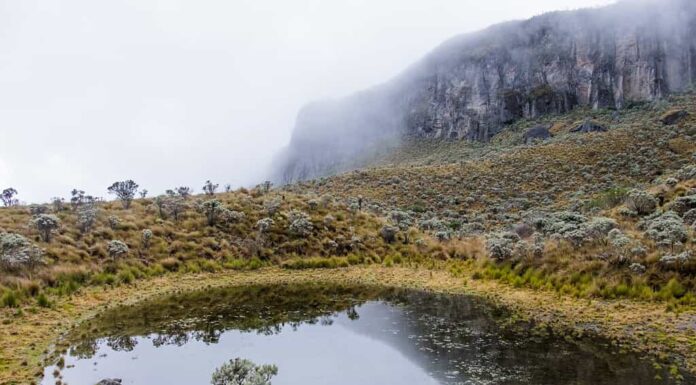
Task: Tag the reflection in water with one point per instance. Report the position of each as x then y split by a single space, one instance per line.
334 335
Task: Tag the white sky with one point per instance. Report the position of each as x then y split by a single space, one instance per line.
174 92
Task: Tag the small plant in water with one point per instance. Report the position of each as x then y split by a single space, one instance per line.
243 372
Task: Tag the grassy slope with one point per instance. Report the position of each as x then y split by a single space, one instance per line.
442 175
497 185
189 244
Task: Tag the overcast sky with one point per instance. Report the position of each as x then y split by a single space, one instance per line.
174 92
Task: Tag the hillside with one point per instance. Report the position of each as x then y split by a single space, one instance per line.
563 213
103 243
474 86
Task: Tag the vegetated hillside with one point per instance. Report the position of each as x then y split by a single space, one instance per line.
607 213
474 86
105 243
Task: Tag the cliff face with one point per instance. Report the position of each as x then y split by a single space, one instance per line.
473 85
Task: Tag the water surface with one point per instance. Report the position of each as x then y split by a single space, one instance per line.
335 335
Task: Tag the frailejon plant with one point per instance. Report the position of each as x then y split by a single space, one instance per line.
243 372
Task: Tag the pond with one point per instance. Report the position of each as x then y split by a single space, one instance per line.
319 334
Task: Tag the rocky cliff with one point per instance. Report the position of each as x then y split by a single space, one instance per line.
470 87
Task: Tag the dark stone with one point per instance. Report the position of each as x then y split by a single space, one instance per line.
589 126
110 381
538 132
673 117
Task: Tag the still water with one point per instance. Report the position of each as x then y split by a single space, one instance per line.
319 335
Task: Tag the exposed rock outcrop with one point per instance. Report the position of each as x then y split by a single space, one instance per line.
473 85
589 126
673 117
536 133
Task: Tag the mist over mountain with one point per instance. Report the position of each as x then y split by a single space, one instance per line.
473 85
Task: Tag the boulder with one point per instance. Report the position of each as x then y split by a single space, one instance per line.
690 217
536 133
673 117
683 204
589 126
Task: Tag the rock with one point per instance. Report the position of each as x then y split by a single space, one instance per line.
683 204
110 381
673 117
589 126
472 86
536 133
690 217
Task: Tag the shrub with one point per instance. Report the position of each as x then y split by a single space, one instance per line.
146 237
232 216
114 222
272 206
599 227
212 209
209 188
243 372
160 202
7 197
667 229
329 220
641 202
9 299
264 225
57 204
676 262
116 249
45 224
125 191
687 172
125 276
16 252
176 206
43 301
618 239
500 246
86 217
300 225
37 209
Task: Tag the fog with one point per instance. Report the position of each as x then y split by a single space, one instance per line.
176 92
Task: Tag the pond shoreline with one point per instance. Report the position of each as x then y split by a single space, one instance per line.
28 341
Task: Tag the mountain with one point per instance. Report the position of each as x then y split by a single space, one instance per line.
473 86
